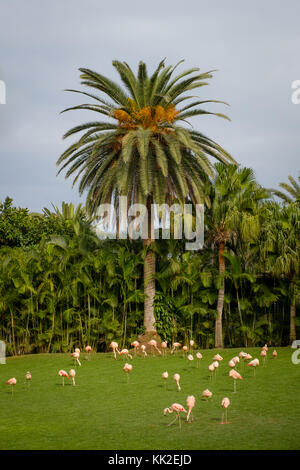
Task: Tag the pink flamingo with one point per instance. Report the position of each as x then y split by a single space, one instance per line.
178 409
243 355
263 355
126 353
211 369
199 357
190 358
28 378
206 394
235 376
63 374
72 373
231 364
165 376
164 346
265 347
248 357
184 349
176 377
127 368
175 346
12 382
190 403
236 360
225 404
274 354
153 345
216 365
115 347
143 348
76 355
135 345
253 364
218 358
88 350
192 343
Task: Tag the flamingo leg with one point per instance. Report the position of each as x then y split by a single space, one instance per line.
234 386
226 415
173 420
179 421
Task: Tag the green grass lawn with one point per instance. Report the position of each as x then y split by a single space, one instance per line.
104 412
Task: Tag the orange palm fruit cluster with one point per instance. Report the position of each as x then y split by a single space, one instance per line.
146 117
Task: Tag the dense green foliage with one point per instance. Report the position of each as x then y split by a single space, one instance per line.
104 412
19 227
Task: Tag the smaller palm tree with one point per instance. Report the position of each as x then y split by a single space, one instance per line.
235 198
292 189
281 249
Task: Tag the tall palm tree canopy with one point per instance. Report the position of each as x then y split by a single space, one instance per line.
142 150
235 196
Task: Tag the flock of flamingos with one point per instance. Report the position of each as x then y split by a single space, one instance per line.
190 401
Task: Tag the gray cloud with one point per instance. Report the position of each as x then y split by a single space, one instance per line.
255 47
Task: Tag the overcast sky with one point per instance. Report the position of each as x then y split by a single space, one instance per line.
254 45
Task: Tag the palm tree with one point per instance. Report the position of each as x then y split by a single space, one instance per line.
235 197
281 250
293 190
141 151
236 275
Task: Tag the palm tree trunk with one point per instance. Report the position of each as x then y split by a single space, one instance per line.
89 320
218 328
292 321
13 332
240 313
149 282
52 332
149 289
